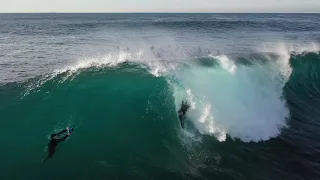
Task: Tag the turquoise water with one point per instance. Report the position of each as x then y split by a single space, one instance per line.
103 128
254 113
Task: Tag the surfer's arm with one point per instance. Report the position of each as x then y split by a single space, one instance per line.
63 138
56 135
61 132
66 136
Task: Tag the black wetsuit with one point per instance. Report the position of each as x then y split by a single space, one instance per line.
182 112
54 141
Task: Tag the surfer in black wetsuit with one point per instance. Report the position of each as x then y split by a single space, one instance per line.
55 140
182 112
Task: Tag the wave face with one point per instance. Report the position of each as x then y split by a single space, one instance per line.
120 80
235 99
251 102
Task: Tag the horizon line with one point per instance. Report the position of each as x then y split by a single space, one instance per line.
169 12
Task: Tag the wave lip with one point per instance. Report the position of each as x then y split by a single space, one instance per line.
150 61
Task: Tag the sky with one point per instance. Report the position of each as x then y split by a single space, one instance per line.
298 6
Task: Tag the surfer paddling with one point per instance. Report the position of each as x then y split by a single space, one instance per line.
182 112
55 140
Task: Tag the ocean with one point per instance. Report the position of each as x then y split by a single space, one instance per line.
252 82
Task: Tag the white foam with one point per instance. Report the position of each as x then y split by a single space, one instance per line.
284 51
246 103
207 124
191 99
108 60
226 63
